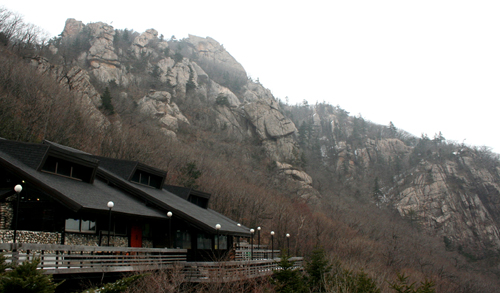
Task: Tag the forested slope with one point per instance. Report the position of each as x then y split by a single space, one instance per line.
375 197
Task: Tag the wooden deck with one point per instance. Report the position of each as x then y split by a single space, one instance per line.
230 271
73 259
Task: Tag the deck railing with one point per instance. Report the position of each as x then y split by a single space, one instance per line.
75 259
70 259
246 254
227 271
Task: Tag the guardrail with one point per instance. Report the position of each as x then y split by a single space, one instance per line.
246 254
228 271
74 259
71 259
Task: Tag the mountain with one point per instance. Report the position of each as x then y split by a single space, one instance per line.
373 195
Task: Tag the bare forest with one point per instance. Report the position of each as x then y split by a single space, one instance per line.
362 235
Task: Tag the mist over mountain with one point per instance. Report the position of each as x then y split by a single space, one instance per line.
374 196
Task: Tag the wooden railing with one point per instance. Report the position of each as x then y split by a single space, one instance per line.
228 271
70 259
75 259
246 254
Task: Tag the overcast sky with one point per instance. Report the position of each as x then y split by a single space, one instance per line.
427 66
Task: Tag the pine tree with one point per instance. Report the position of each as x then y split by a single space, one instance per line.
26 278
106 102
377 193
288 279
401 286
189 175
317 267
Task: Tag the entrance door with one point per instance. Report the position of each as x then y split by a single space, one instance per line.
136 236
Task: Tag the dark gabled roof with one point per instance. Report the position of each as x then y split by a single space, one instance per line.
29 154
70 154
121 168
63 147
184 192
126 169
77 195
25 160
205 219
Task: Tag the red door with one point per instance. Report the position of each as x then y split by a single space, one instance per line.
136 236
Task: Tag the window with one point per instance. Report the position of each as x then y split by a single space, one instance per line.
147 179
199 201
87 226
67 169
222 242
183 239
79 225
204 241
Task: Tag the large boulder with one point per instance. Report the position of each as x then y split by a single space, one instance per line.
464 215
302 180
143 44
210 50
269 122
76 80
158 105
72 28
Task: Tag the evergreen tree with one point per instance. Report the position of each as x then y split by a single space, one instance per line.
26 278
357 282
401 286
317 268
288 279
393 130
189 175
377 193
106 101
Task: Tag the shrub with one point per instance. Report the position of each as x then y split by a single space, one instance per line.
317 267
106 101
26 278
116 287
401 286
222 100
288 279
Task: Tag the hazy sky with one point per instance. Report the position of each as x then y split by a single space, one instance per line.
427 66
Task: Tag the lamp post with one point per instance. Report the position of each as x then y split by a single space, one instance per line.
272 244
110 206
288 243
217 227
169 215
238 243
251 244
258 237
18 188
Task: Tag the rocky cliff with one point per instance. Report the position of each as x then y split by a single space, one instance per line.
193 71
452 191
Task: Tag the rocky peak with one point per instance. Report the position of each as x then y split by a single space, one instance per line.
207 75
158 105
78 81
102 49
453 200
72 28
304 190
209 49
140 45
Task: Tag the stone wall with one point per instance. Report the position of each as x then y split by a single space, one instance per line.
6 215
7 236
93 240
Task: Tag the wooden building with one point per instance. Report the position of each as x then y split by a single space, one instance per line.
65 199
